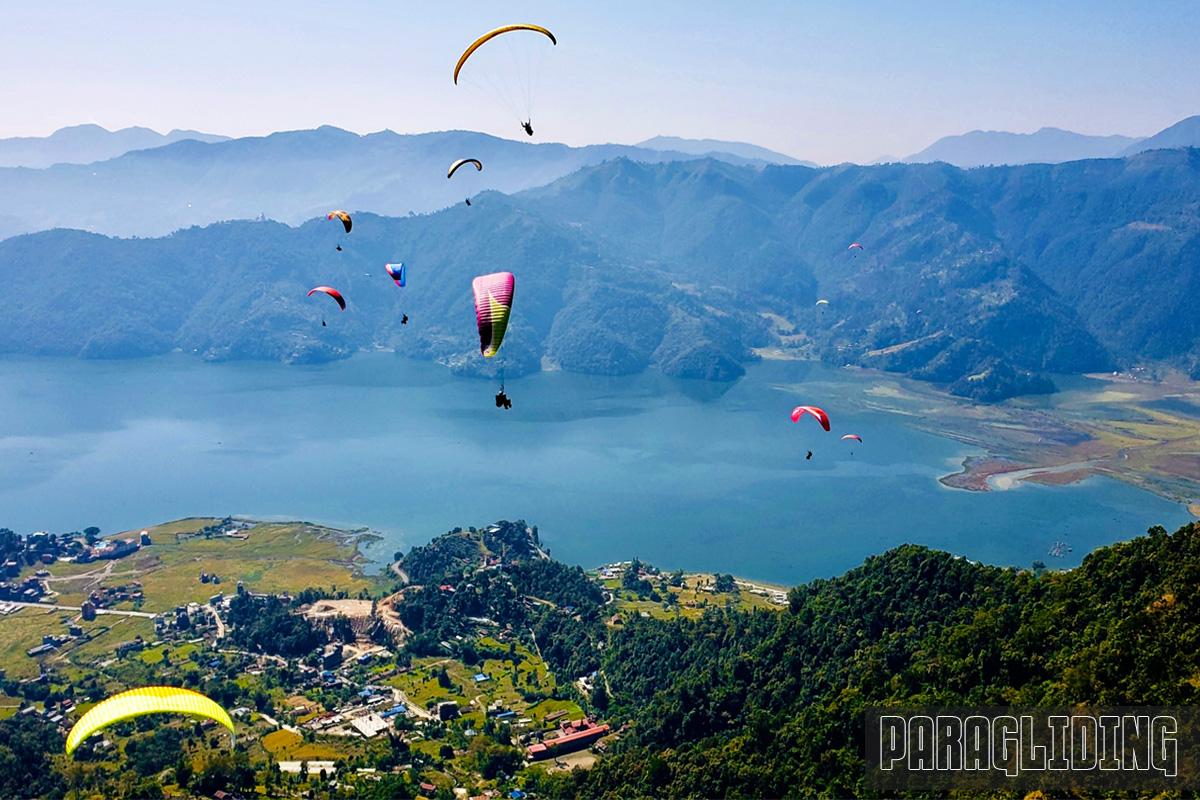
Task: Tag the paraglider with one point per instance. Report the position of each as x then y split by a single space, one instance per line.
454 168
344 218
855 246
509 77
853 436
822 302
398 273
145 700
334 293
493 304
816 413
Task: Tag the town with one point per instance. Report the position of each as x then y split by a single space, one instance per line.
464 669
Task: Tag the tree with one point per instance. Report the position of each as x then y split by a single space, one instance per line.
600 695
91 534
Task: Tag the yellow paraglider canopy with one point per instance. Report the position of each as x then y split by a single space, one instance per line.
145 700
492 34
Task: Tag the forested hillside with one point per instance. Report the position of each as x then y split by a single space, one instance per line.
771 704
988 281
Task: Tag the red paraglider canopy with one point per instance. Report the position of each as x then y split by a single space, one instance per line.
329 290
821 416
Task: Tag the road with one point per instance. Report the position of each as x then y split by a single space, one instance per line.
412 707
220 623
99 611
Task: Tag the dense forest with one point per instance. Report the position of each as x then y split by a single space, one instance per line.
772 704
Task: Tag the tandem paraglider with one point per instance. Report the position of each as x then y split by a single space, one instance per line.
493 305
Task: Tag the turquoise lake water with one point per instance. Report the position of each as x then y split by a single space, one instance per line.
683 474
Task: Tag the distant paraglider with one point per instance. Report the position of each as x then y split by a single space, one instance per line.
399 274
344 218
510 78
855 246
853 436
454 168
822 302
334 293
142 701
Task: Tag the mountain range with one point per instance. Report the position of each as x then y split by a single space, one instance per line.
83 144
155 184
1045 146
290 177
987 280
1050 146
715 147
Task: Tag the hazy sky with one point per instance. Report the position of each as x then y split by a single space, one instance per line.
827 81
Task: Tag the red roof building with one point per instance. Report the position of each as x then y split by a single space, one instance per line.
576 736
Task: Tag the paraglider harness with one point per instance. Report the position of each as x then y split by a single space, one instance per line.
502 400
528 126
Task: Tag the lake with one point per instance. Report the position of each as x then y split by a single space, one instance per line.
683 474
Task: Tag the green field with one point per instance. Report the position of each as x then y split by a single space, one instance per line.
283 557
23 630
690 599
421 686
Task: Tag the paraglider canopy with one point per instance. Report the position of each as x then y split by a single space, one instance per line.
145 700
822 302
397 272
853 436
821 416
329 290
492 34
454 167
855 246
493 304
343 217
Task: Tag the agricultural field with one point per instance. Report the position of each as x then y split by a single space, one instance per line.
688 601
268 557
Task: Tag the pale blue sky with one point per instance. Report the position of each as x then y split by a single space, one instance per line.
828 81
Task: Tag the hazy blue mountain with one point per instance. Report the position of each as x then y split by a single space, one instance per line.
83 144
1185 133
1045 146
236 290
290 176
986 281
982 279
716 147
